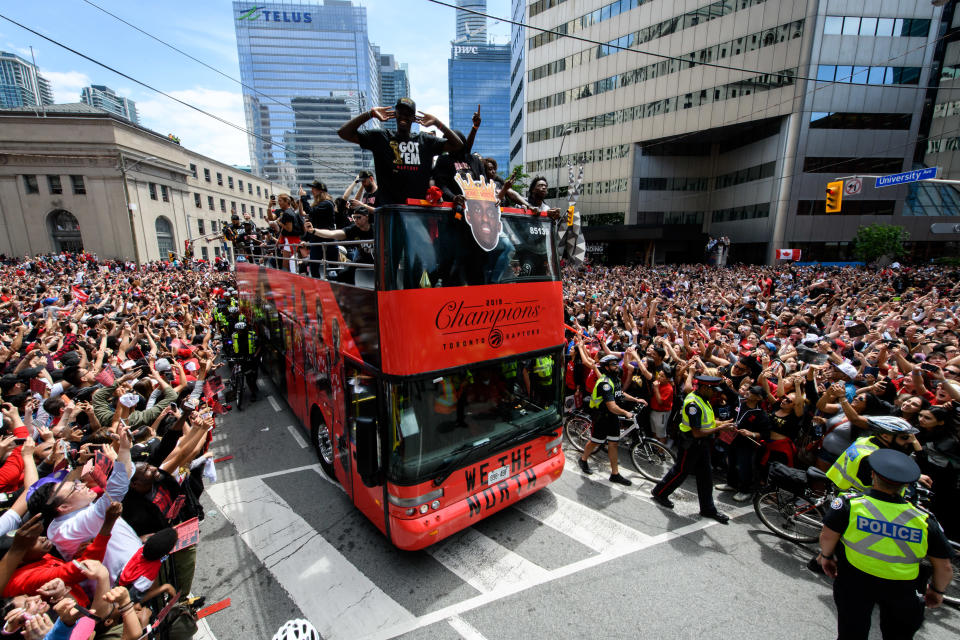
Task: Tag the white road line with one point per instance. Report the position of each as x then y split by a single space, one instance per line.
482 563
574 520
273 403
203 631
340 601
465 629
296 436
507 590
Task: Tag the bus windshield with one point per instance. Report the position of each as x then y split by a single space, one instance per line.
432 248
444 420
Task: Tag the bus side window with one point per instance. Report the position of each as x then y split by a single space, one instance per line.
362 405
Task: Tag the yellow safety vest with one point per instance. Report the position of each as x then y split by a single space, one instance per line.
843 473
543 367
251 343
596 400
707 421
885 539
509 370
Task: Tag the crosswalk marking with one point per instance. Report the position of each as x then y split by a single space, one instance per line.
483 563
273 403
465 629
587 526
296 436
333 594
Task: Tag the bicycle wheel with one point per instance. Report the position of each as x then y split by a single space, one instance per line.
651 458
952 596
577 429
790 516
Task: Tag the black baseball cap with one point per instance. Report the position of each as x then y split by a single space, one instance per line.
406 103
234 216
316 184
363 175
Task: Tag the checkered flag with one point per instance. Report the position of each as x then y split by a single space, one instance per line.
571 245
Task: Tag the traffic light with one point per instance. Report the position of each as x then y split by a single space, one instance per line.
834 196
570 215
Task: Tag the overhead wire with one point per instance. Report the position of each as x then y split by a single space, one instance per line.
184 103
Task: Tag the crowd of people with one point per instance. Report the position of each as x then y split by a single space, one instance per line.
109 393
801 357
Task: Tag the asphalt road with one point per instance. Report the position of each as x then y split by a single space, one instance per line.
580 559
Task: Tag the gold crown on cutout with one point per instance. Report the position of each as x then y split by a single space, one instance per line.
477 190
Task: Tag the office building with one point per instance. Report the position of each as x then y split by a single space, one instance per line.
394 84
21 84
735 128
477 74
67 178
303 65
104 98
471 28
518 80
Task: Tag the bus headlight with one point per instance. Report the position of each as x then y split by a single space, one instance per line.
424 508
411 511
435 504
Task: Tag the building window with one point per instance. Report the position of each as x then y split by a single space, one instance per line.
193 170
258 191
261 213
230 181
166 243
250 188
153 190
240 184
223 205
210 203
214 226
233 206
53 182
197 201
216 251
30 184
844 166
206 175
888 121
164 193
79 188
219 178
201 226
204 253
243 208
851 207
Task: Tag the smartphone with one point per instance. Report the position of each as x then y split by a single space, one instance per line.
19 441
929 331
929 367
173 406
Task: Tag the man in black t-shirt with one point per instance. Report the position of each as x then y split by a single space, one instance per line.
322 215
403 160
361 229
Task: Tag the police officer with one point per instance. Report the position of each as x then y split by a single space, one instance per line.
246 349
538 378
697 428
890 432
604 403
872 545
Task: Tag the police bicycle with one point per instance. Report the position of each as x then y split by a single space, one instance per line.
793 504
649 456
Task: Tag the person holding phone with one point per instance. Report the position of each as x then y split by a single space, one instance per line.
322 215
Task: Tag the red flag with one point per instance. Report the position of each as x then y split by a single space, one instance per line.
106 377
80 296
788 254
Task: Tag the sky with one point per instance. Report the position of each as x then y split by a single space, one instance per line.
417 32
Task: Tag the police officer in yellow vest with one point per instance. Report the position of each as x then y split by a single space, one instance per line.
539 379
890 432
604 404
872 545
244 347
697 427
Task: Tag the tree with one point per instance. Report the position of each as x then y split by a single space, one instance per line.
877 240
522 180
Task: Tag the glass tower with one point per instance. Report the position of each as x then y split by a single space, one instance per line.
101 97
471 28
307 69
479 75
20 83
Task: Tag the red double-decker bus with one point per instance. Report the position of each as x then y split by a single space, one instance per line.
430 381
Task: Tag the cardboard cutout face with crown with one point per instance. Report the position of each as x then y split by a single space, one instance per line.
482 210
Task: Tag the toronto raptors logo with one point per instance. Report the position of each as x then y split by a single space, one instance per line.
495 338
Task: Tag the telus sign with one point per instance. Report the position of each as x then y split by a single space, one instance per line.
255 14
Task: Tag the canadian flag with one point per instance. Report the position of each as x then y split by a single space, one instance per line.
788 254
79 294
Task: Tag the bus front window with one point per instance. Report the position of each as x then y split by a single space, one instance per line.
436 421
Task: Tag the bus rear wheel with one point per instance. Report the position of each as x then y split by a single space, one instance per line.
323 444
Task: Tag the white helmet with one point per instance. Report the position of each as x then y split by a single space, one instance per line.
297 629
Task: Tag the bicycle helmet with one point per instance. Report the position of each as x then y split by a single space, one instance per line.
233 309
605 360
297 629
890 424
240 326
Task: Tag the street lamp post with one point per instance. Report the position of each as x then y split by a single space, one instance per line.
126 196
563 138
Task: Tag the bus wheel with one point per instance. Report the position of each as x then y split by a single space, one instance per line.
323 443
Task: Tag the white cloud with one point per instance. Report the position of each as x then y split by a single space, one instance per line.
197 131
66 84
